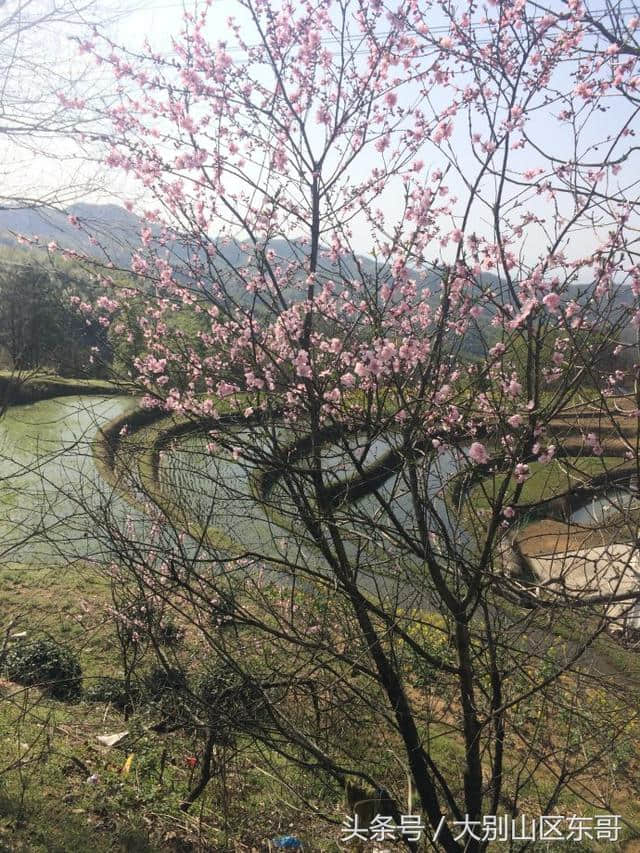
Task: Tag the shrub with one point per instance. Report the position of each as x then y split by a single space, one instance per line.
165 691
147 617
46 664
111 690
165 680
230 703
169 634
431 633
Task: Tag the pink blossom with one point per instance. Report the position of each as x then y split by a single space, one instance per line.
478 452
224 389
551 302
527 307
155 365
443 131
261 324
548 455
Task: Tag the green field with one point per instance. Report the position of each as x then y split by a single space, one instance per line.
545 481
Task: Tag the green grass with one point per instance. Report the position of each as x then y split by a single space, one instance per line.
17 390
46 803
68 606
49 806
545 481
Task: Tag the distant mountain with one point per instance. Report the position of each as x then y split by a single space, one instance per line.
107 229
112 230
101 225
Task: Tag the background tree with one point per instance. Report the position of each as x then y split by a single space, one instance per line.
40 327
38 122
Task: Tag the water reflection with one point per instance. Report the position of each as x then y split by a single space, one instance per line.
50 488
603 506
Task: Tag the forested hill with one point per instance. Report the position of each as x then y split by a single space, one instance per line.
111 229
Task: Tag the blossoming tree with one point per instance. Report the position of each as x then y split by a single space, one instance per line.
387 280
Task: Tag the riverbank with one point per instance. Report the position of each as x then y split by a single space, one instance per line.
16 390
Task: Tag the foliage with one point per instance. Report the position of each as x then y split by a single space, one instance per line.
110 690
546 480
39 325
432 635
46 664
229 704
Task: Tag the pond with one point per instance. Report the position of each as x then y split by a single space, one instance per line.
216 491
49 484
603 506
219 491
53 498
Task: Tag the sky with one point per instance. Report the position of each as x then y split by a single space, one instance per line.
48 167
58 170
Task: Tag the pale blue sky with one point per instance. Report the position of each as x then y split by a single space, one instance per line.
159 22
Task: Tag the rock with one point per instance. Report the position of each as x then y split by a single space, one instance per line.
112 740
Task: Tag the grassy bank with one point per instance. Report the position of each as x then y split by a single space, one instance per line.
133 803
16 390
558 477
50 749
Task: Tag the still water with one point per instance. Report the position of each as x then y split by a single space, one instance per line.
604 506
53 500
50 488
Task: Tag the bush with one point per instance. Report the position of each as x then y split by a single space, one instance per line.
147 617
162 681
166 691
46 664
229 703
431 633
169 634
111 690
